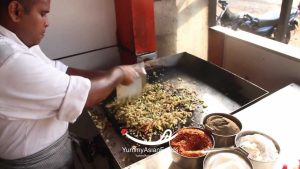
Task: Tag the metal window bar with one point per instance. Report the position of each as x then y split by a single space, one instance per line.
285 11
286 7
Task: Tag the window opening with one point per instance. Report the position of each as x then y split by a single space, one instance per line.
260 17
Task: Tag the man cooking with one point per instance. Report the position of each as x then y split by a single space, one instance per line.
39 96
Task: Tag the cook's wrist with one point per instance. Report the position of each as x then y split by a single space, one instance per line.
120 73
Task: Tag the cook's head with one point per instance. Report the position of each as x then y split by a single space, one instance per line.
26 18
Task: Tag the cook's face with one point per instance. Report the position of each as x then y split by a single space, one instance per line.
35 22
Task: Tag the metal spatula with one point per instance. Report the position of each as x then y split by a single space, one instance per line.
134 89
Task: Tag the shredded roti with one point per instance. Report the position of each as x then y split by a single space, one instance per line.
161 106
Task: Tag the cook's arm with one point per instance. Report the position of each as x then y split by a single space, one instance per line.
85 73
104 82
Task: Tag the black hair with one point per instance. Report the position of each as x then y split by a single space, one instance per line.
4 2
26 4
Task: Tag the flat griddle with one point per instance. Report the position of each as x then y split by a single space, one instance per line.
221 90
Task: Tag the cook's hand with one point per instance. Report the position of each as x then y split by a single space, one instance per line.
131 72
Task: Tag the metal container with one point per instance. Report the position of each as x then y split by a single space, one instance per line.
258 164
236 151
189 162
223 140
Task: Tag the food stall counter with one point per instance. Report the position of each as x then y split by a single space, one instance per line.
276 115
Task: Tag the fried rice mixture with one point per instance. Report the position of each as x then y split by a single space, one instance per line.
161 106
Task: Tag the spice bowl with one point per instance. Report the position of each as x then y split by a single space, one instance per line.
263 150
224 128
186 144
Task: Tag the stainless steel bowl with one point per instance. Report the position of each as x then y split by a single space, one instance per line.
236 151
258 164
189 162
223 140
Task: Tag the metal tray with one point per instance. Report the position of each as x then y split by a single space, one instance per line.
221 90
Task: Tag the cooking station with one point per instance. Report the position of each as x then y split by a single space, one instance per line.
265 116
221 91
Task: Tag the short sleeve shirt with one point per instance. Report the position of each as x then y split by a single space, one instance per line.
37 98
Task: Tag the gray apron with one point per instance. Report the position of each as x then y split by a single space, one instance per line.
56 156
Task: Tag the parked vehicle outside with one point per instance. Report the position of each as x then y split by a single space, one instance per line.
263 9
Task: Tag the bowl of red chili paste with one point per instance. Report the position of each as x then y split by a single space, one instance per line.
186 145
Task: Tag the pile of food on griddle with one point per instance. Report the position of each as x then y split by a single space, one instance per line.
161 106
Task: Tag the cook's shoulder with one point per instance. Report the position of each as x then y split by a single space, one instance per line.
8 48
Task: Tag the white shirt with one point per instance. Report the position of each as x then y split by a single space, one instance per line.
37 98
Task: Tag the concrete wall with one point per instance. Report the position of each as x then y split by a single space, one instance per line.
78 27
81 29
267 63
181 26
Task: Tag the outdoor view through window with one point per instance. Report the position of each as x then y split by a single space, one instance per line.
251 16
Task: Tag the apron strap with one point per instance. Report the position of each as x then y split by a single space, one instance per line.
57 155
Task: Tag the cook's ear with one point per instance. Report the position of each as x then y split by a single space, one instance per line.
15 10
